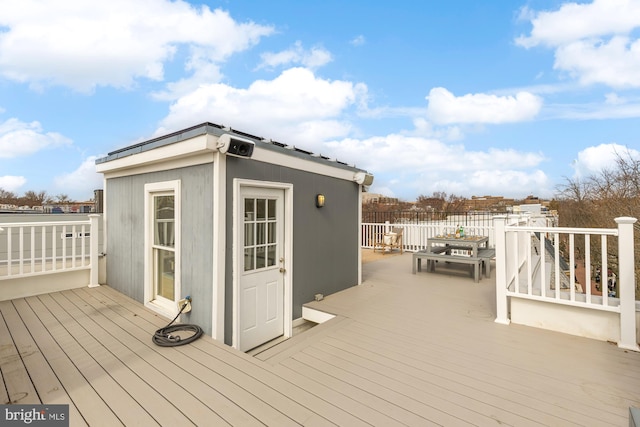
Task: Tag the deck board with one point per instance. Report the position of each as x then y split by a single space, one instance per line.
18 387
240 377
492 384
226 398
404 349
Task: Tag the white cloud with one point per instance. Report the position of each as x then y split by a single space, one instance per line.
121 40
593 42
358 40
574 21
80 183
404 164
446 108
296 108
12 183
296 55
614 99
615 63
593 160
22 139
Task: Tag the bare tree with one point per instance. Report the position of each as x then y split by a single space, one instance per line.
7 197
62 198
31 198
600 198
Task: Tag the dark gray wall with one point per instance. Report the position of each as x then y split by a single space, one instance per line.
325 240
125 236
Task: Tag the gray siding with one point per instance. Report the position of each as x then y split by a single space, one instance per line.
325 241
125 236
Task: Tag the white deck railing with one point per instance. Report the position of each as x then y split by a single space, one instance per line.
529 265
414 236
37 248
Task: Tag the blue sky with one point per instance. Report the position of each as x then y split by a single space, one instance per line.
466 97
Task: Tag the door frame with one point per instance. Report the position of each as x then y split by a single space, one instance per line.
237 247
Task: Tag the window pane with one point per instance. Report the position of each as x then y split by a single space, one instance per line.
165 273
260 255
271 238
272 210
249 210
248 259
249 237
164 221
261 207
271 255
261 233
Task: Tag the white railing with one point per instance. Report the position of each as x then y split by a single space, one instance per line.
414 236
530 264
37 248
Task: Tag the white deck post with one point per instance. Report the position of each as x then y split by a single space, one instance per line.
502 314
93 250
627 284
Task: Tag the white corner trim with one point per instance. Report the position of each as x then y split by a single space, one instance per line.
219 245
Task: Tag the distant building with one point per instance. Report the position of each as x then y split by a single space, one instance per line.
487 203
379 199
69 207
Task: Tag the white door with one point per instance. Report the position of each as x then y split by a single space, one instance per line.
261 290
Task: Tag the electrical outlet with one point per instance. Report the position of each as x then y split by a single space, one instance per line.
182 302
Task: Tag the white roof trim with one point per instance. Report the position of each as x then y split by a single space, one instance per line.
192 147
199 150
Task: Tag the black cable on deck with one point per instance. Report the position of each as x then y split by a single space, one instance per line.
164 337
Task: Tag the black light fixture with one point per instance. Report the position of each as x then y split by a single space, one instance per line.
319 200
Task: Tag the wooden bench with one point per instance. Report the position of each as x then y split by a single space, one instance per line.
432 258
485 255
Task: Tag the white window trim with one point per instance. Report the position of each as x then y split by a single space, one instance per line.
150 190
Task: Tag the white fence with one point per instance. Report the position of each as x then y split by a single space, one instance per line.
33 249
414 236
530 266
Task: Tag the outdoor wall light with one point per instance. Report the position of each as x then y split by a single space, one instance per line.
319 200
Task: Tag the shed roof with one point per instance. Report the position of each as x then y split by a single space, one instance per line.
218 130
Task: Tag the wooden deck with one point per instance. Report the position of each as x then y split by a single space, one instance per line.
403 349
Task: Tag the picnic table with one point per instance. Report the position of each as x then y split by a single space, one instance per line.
440 247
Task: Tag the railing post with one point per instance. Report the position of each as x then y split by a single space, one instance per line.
627 283
502 314
93 250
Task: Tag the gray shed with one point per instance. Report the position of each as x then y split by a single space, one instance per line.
235 222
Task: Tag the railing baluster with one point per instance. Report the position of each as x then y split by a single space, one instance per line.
543 265
54 244
33 248
587 267
556 258
9 252
83 244
43 251
73 246
64 246
528 236
572 269
21 250
604 274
